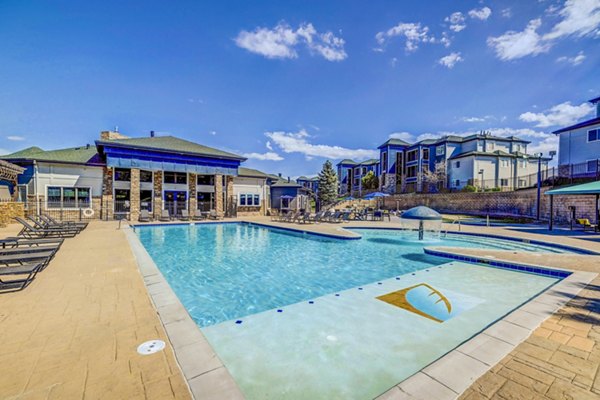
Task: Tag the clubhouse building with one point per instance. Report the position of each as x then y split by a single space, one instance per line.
119 176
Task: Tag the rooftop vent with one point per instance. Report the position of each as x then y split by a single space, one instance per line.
151 133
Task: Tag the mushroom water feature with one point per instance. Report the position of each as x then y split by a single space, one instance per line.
427 219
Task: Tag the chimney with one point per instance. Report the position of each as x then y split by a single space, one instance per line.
111 135
87 146
151 133
289 179
280 174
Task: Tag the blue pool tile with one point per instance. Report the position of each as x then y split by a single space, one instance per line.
239 321
280 310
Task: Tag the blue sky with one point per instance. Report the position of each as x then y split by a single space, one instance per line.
290 84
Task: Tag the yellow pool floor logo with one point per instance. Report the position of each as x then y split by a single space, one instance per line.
424 300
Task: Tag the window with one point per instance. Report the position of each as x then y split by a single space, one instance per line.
411 156
175 177
440 150
206 180
146 176
364 170
457 183
384 158
122 175
592 166
425 154
22 193
522 163
503 182
457 164
593 135
68 197
252 200
522 182
504 163
411 172
490 146
205 201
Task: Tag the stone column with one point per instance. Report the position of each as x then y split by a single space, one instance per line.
193 199
219 195
108 206
158 203
134 195
229 192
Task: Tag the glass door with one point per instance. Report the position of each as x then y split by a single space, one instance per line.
175 201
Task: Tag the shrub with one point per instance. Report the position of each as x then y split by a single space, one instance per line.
469 188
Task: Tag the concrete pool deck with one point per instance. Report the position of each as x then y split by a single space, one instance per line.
105 282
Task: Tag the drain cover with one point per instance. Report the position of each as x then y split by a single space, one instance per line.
151 347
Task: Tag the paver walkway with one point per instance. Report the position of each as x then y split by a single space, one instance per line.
73 333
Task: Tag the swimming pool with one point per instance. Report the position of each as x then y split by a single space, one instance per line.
228 271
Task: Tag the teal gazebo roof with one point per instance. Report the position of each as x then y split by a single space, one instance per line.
585 188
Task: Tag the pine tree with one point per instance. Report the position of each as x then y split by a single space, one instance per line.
328 185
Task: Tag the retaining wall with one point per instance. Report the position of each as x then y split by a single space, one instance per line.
10 210
521 203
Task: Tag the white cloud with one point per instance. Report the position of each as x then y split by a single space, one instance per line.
269 146
268 156
513 45
476 119
282 42
450 60
481 14
298 142
545 146
214 133
457 21
413 34
406 136
15 138
580 18
575 60
560 114
506 13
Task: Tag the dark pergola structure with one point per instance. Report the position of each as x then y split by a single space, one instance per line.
9 173
590 189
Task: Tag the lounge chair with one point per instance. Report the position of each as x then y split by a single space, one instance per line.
307 218
295 216
184 216
42 223
586 224
52 221
13 242
14 285
27 250
213 215
144 216
31 232
165 216
42 257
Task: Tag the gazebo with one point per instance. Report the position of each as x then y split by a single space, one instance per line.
590 189
9 173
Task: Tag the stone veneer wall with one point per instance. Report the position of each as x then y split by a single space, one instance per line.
521 203
107 193
158 203
10 210
193 199
134 195
219 206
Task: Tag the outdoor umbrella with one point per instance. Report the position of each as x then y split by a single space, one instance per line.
376 195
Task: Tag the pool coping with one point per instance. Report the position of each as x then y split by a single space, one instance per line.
445 378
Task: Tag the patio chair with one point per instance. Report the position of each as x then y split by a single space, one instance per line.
199 216
184 216
304 218
13 285
586 224
294 217
165 216
31 232
27 250
144 216
213 215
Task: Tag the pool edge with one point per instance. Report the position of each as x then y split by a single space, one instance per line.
189 345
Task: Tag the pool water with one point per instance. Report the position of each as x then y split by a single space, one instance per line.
229 271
